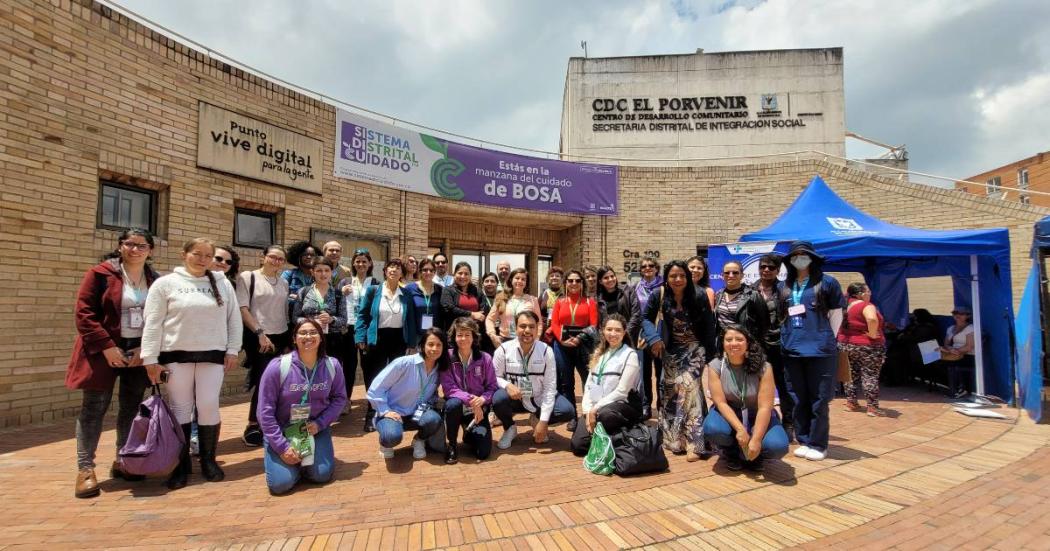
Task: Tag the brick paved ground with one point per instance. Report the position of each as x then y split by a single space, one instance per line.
924 477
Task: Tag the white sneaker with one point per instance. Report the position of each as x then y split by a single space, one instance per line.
815 455
507 439
801 451
419 449
195 447
386 453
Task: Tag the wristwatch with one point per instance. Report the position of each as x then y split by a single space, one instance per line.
259 331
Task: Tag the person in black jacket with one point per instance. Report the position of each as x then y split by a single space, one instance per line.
684 338
740 304
611 297
461 299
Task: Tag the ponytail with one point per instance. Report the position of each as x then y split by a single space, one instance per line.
214 287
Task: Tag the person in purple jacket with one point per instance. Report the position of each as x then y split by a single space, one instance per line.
308 388
468 385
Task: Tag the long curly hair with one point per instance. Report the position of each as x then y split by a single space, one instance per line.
296 250
754 357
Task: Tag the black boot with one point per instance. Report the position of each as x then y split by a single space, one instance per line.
370 420
180 474
209 440
451 454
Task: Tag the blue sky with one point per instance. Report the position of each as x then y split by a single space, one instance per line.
962 83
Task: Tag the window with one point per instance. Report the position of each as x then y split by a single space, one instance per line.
253 229
121 207
994 185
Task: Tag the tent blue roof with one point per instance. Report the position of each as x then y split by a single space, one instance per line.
887 254
1042 233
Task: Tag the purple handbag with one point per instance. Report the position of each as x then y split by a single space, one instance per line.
155 441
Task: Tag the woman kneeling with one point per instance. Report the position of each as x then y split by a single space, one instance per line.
610 393
303 391
744 426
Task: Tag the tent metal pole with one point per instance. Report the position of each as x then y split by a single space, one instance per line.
978 346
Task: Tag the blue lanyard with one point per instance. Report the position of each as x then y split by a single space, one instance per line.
796 291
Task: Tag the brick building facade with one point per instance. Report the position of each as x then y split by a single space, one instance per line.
1022 177
88 95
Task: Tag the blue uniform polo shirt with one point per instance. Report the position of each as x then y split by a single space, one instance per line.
814 337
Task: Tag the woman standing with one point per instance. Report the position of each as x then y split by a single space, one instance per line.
862 339
738 304
301 255
813 303
261 296
404 394
109 319
193 327
682 338
701 278
489 286
499 324
590 280
461 299
468 386
958 352
385 329
353 289
637 297
574 315
228 262
743 424
610 297
610 394
426 297
304 386
768 286
411 270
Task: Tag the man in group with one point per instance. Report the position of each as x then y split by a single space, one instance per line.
441 275
334 251
528 381
502 273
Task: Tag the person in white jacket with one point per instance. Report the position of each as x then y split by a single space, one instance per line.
527 378
193 332
610 394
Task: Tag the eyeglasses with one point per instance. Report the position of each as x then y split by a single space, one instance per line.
226 261
441 262
648 266
766 267
574 280
731 272
307 334
275 257
136 246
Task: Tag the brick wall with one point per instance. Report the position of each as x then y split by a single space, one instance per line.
85 93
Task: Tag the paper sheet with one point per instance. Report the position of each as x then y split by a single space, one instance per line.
930 351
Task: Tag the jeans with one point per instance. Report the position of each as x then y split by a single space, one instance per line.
281 477
478 438
614 417
505 408
391 432
95 403
390 345
650 364
719 432
775 357
811 382
570 361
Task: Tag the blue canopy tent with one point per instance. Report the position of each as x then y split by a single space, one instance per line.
1030 329
978 262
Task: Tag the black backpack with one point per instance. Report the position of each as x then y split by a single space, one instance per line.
639 449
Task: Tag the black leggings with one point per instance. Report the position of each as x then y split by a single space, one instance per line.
256 363
614 417
390 345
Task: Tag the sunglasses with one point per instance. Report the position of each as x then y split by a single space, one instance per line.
766 267
574 280
648 266
226 261
731 272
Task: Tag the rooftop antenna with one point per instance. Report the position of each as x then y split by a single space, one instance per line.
583 44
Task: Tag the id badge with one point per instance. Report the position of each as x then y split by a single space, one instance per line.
135 319
797 310
300 413
420 410
525 386
427 322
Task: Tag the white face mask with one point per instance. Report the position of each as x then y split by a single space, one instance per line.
801 261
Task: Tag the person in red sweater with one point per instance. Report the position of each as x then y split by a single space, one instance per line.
573 327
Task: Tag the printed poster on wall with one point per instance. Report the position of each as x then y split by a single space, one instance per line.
371 151
747 254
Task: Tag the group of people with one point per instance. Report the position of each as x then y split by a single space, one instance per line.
708 364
